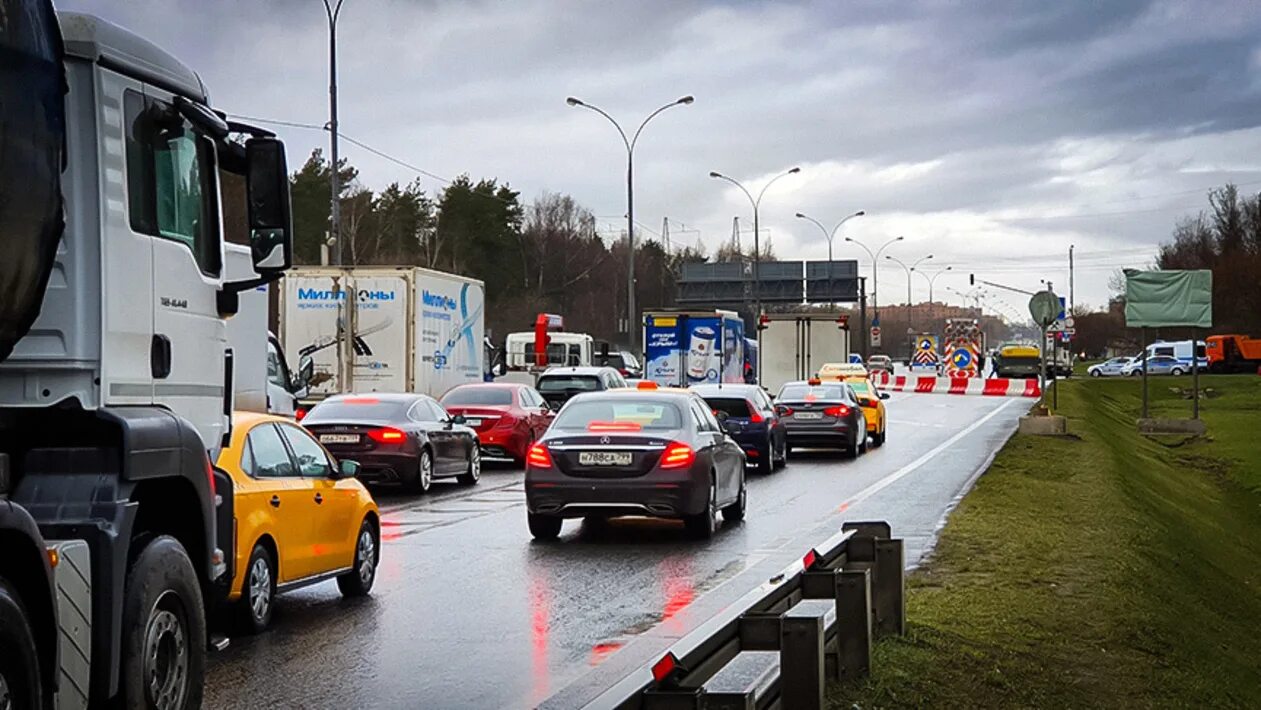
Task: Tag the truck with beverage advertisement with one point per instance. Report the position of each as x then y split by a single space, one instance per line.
686 347
793 346
383 329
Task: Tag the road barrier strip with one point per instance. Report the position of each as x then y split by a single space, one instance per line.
780 643
929 384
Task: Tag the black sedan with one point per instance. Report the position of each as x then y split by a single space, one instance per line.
405 439
749 417
822 415
658 453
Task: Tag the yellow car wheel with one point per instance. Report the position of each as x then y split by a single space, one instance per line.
358 581
258 591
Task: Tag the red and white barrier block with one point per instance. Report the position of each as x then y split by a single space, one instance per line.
992 387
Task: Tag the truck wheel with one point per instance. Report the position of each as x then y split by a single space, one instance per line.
164 630
258 593
19 663
358 581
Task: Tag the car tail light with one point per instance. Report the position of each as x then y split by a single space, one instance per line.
784 410
678 455
839 410
754 415
538 457
615 426
299 414
387 435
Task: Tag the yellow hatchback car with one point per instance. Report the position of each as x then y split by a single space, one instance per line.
300 517
872 401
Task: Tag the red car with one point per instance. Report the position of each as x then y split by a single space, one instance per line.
507 417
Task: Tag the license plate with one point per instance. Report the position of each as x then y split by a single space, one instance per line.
339 438
808 415
604 458
473 422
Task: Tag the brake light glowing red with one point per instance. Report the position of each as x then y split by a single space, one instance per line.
677 455
387 435
754 415
615 426
538 457
299 414
361 400
840 410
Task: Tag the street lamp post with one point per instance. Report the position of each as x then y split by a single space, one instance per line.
875 272
333 9
909 269
932 278
757 249
830 235
631 330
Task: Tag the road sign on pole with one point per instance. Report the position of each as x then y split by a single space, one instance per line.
875 336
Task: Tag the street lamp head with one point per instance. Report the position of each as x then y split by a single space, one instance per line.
888 256
574 102
849 239
860 213
899 239
715 174
948 268
685 100
794 171
800 216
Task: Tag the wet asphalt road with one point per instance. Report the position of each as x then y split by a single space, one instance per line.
468 612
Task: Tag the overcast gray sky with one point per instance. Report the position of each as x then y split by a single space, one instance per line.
990 134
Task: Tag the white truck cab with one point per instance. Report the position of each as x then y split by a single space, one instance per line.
116 376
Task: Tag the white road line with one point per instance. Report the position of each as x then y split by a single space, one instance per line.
892 478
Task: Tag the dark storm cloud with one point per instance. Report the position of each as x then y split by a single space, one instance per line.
964 125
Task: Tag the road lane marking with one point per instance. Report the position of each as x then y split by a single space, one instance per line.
892 478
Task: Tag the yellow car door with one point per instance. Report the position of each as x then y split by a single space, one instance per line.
331 507
276 491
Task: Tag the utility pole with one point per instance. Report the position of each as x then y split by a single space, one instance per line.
333 9
631 329
1071 301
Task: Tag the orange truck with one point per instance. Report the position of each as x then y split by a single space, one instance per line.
1233 353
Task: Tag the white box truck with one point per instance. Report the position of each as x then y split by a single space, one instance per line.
793 346
410 329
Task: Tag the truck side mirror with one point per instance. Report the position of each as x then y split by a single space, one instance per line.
270 218
306 370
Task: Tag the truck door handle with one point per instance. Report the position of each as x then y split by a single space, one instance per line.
160 356
319 498
275 501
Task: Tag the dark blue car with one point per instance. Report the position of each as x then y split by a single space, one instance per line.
749 417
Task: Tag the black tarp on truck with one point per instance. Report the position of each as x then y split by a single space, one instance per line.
32 154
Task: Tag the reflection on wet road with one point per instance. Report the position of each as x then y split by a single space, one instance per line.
469 612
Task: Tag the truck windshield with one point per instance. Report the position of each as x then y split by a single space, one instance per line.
464 396
640 414
563 383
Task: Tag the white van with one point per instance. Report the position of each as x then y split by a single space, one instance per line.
1179 349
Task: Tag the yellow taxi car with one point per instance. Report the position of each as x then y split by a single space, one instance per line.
300 517
872 401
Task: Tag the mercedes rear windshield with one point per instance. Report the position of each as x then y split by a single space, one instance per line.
623 415
486 396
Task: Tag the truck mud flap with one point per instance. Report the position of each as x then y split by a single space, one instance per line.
225 531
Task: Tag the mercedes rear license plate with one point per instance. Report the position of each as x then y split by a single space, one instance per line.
808 415
339 438
604 458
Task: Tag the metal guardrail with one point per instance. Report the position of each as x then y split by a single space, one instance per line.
779 644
